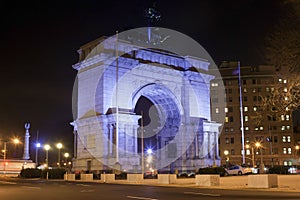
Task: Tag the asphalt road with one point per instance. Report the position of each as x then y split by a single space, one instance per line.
16 189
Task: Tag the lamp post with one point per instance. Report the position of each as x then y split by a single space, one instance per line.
226 153
14 141
59 146
261 166
47 147
252 154
37 146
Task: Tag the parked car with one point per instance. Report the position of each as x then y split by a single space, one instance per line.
238 170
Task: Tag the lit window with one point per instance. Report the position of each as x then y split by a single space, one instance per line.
284 150
226 129
247 128
283 139
245 108
285 90
214 84
217 110
261 128
287 108
226 119
280 80
282 117
245 89
254 108
288 138
288 127
247 140
286 98
272 89
256 128
267 89
289 150
282 128
247 151
227 140
285 163
226 110
231 129
287 117
246 118
284 81
254 90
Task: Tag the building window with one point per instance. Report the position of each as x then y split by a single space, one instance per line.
261 128
230 99
275 139
217 110
247 128
226 129
285 89
288 139
288 127
282 128
248 152
284 150
245 98
227 140
285 163
244 82
245 90
246 118
287 118
231 119
282 117
213 84
214 100
247 140
256 128
226 119
254 108
232 152
231 129
283 139
289 150
232 140
253 81
284 81
230 109
245 108
226 110
254 90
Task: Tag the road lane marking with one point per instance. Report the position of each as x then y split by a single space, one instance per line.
203 194
85 191
30 187
144 198
6 182
83 185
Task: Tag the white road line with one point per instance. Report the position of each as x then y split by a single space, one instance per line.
83 185
203 194
6 182
144 198
87 191
29 187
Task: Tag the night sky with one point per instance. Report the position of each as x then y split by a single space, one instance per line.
39 41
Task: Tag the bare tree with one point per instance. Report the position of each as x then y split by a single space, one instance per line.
283 52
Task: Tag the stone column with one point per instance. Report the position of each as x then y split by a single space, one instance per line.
26 145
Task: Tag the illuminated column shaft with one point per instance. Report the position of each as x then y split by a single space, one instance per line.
26 146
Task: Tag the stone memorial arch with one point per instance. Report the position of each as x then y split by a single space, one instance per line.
121 84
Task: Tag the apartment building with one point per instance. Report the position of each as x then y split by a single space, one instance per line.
269 140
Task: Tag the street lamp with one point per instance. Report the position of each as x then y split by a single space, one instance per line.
226 153
47 147
261 166
37 146
15 141
59 146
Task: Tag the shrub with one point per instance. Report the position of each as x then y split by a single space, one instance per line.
212 170
54 173
279 170
31 173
